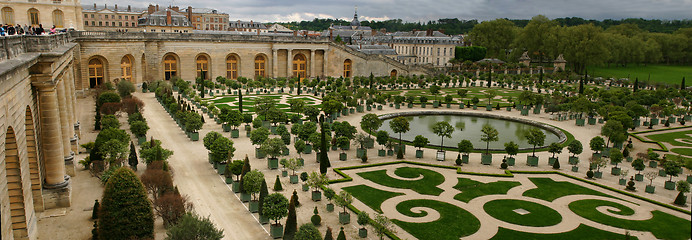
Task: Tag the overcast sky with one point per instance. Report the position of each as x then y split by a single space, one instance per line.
424 10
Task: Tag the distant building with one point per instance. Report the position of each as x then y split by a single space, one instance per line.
278 28
110 18
251 26
420 47
205 18
351 33
166 21
375 49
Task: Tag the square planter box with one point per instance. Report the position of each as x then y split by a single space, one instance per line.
370 143
537 110
305 187
551 161
575 169
316 195
285 151
511 161
308 149
141 140
524 112
344 218
662 173
449 105
573 160
343 156
509 109
653 164
489 107
689 178
638 177
410 105
422 105
229 180
461 106
253 206
532 161
598 174
293 179
397 106
235 133
580 122
622 181
221 169
363 232
194 136
592 121
390 152
615 171
226 127
276 231
650 189
273 163
419 153
369 108
259 153
245 197
475 107
235 186
379 107
330 207
381 152
360 152
670 185
465 159
247 133
486 159
440 156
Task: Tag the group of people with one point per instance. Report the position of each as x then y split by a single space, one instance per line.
9 30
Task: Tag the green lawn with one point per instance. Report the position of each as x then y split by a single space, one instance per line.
426 185
471 189
662 225
453 223
549 190
583 232
671 74
671 138
372 197
538 216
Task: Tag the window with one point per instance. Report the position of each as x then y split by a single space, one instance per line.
202 67
86 23
170 66
393 73
92 15
8 15
33 17
259 66
106 16
120 24
347 68
120 17
231 67
126 68
127 24
58 19
106 24
299 66
86 15
95 72
92 23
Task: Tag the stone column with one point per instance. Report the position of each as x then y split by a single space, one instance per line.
275 63
65 128
289 61
312 63
57 190
326 64
70 111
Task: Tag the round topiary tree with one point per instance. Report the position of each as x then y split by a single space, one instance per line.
126 211
308 232
275 207
682 187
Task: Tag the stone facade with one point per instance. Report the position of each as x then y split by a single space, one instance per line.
61 13
148 51
37 119
110 19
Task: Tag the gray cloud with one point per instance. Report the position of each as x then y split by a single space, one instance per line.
424 10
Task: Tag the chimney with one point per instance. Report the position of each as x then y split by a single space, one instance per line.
258 32
189 13
105 6
157 7
168 17
151 9
129 8
428 33
176 8
330 33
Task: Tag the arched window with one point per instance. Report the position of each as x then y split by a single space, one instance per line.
14 185
259 66
299 66
231 67
33 17
170 67
8 15
95 72
393 73
126 68
347 67
58 19
202 67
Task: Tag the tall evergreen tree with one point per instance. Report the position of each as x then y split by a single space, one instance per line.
240 100
581 85
263 194
126 211
328 235
682 85
324 158
342 235
246 169
277 184
95 210
636 84
132 160
291 221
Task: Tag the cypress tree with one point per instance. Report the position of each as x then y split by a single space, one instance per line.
291 221
328 234
126 211
342 235
97 121
246 169
682 85
95 211
490 76
277 184
263 194
132 160
299 87
581 86
324 158
295 195
372 79
240 100
636 84
540 77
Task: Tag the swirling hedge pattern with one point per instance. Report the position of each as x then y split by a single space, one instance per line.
427 185
453 223
538 216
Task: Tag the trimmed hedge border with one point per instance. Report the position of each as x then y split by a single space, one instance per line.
662 148
508 173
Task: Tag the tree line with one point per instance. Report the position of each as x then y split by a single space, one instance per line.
582 45
455 26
